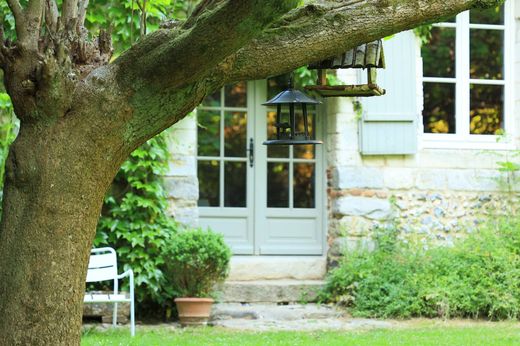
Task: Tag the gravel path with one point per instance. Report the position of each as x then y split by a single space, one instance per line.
309 317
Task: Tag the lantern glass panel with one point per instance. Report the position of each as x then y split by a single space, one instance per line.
305 151
275 151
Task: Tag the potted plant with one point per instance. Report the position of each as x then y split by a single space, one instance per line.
196 261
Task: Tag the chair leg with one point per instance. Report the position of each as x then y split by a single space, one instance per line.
114 316
132 318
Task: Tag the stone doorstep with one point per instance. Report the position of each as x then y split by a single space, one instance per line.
274 312
252 268
269 291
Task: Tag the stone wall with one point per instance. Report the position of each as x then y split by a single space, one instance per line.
427 216
181 179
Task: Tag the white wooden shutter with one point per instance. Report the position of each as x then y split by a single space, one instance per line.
389 123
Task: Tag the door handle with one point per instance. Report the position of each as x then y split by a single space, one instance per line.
251 151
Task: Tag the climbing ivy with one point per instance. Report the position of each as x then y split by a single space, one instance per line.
134 219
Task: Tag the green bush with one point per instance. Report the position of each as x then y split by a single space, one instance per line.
134 221
197 260
478 277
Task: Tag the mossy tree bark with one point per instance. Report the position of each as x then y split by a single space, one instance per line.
81 117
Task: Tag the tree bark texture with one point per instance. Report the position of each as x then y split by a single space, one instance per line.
81 117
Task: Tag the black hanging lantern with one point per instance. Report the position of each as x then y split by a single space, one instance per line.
286 128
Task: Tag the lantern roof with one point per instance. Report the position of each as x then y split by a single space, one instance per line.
291 96
368 55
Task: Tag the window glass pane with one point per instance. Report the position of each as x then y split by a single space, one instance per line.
439 53
235 95
487 16
277 184
303 185
487 109
235 133
278 151
208 173
212 100
439 108
208 132
235 184
486 54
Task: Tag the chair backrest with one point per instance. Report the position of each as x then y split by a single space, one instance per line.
102 265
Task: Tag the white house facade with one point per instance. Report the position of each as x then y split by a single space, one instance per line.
424 155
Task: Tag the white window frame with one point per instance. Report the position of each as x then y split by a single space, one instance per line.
462 139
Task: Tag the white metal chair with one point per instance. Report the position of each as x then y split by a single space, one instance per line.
103 267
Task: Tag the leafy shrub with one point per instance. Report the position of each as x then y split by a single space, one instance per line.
197 260
478 277
135 223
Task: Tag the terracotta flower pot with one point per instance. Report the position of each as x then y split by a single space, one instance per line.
194 311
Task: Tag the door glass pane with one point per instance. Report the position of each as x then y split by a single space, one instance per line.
488 16
439 53
439 108
277 184
487 109
235 95
235 184
277 151
208 173
208 132
304 185
486 54
276 85
212 100
235 133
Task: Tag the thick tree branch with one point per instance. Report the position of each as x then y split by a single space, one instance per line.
69 12
82 12
51 15
172 58
16 8
330 29
204 5
29 25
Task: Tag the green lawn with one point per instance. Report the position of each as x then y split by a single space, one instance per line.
492 334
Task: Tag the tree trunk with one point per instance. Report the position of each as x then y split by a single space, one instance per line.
55 182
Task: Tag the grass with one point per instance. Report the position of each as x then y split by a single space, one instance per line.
416 334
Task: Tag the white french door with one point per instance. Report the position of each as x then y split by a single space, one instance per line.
265 200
